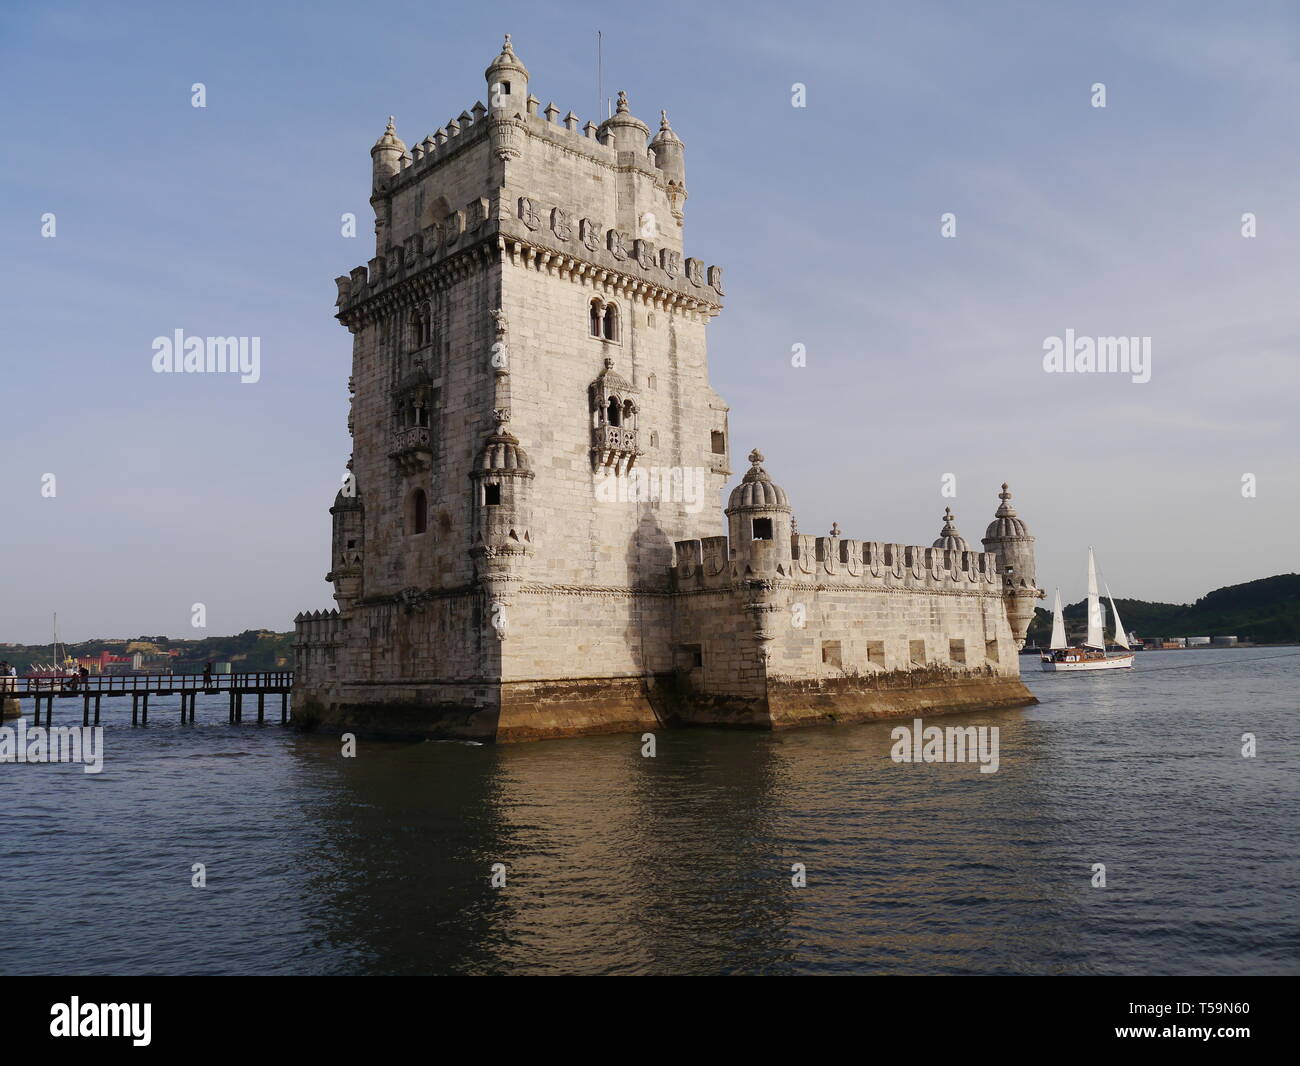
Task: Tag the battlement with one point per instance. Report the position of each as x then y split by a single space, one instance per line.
319 628
709 564
590 140
584 252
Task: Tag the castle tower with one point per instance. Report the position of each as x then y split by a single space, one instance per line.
1008 538
486 478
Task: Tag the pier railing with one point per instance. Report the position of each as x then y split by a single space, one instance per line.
140 687
158 684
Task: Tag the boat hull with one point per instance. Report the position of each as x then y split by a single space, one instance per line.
1116 662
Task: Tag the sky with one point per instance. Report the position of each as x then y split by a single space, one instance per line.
924 352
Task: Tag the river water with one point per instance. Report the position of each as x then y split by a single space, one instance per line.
681 863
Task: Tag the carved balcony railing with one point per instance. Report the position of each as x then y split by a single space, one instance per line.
614 447
412 449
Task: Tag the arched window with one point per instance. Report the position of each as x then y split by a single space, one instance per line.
595 318
611 323
615 415
421 333
419 512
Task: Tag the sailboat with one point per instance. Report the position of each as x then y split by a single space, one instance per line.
62 667
1092 655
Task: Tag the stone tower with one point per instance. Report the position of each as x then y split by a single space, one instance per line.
528 339
526 544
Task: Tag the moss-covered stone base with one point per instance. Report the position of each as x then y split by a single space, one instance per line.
511 712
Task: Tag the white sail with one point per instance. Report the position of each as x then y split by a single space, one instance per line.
1096 620
1121 638
1058 625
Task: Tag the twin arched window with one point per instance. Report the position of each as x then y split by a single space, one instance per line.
603 321
421 327
620 413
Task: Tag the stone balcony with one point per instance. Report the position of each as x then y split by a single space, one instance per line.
614 447
412 449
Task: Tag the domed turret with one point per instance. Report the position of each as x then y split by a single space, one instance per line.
347 550
758 521
502 451
501 475
507 82
1006 525
1008 538
757 490
669 153
624 132
949 538
387 154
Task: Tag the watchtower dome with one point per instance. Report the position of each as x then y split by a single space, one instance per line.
507 82
758 521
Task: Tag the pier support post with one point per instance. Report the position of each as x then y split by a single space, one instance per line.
85 709
232 706
135 708
261 708
144 709
284 708
97 699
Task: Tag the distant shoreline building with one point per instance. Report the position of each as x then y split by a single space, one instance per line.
527 542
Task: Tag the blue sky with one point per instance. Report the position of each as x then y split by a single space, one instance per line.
924 353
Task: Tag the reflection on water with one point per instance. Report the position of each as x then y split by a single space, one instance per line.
682 863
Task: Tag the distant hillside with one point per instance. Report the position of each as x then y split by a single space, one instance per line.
1266 611
254 649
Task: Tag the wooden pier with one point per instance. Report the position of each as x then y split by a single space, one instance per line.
91 690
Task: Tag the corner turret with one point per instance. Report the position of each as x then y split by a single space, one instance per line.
501 512
387 154
347 550
758 522
507 82
1008 538
670 154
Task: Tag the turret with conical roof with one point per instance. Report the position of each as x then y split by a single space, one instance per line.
758 521
507 82
387 154
1008 538
669 152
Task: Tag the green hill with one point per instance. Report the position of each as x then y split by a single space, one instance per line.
252 650
1266 611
